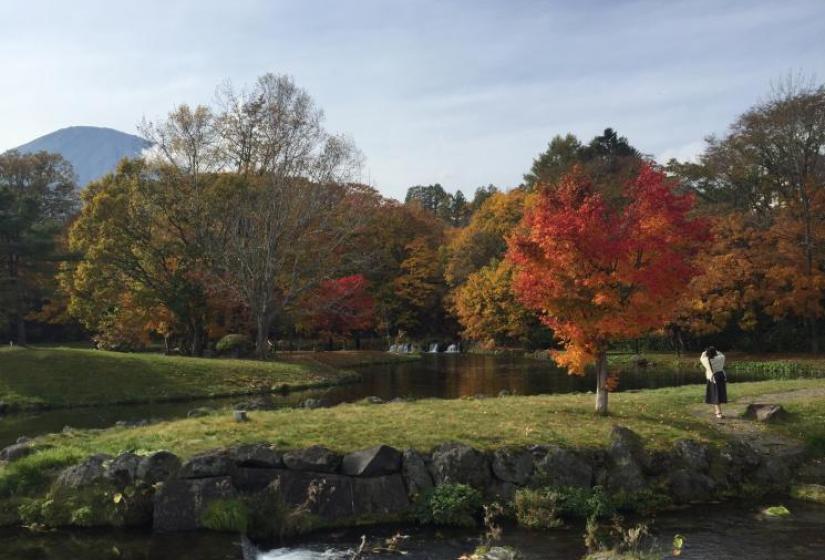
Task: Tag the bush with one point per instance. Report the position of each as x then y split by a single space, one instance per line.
543 508
234 345
450 504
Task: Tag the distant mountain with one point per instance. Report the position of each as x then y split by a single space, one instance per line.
92 151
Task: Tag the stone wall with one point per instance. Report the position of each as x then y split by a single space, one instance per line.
382 483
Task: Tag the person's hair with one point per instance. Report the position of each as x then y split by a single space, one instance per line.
710 351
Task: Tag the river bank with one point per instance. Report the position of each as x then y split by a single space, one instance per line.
665 454
38 378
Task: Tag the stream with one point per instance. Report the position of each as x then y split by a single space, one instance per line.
719 532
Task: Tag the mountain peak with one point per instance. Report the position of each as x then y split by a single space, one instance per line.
93 151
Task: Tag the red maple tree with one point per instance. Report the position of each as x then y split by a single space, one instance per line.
340 307
599 270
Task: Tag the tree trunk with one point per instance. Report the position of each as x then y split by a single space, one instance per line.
262 322
21 330
601 383
813 335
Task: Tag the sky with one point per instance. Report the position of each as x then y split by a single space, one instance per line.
463 93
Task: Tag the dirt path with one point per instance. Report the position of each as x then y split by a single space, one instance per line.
756 434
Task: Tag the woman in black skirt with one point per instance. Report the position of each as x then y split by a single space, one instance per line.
716 391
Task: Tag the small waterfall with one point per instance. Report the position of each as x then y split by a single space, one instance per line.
433 348
452 349
405 348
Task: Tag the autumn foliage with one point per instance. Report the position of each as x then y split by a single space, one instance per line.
599 271
341 306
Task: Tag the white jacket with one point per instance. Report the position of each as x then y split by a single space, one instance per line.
715 365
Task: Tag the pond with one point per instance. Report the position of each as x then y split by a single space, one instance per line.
445 376
721 532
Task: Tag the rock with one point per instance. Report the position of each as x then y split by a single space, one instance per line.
257 455
504 393
513 465
122 470
381 495
312 403
316 458
639 361
501 491
158 467
765 412
199 412
23 439
375 461
372 399
809 492
329 496
626 460
813 471
16 451
501 553
207 465
416 475
688 486
179 504
557 467
694 455
252 480
83 474
253 404
460 463
67 430
240 416
776 511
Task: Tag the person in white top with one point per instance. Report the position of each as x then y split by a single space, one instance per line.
716 391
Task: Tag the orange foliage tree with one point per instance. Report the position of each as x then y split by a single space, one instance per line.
599 271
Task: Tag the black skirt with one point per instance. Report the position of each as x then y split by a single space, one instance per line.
717 393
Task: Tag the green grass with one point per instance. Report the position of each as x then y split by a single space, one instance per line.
65 377
754 366
660 416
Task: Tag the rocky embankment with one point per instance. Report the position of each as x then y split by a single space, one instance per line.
257 486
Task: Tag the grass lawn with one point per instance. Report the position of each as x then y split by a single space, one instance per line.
660 416
65 377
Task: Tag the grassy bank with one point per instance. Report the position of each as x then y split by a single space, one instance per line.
66 377
661 416
761 366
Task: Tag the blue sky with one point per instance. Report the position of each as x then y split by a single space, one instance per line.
464 93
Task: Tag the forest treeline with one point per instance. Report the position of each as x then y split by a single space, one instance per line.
249 218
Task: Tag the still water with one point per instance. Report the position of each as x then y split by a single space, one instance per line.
445 376
725 532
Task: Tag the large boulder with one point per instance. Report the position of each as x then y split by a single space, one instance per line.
158 467
513 465
688 486
375 461
627 459
88 473
381 495
16 451
122 470
557 467
416 475
316 459
460 463
257 455
329 496
765 412
207 465
693 455
250 480
179 505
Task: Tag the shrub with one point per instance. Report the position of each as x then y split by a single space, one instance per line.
450 504
537 509
543 508
234 344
